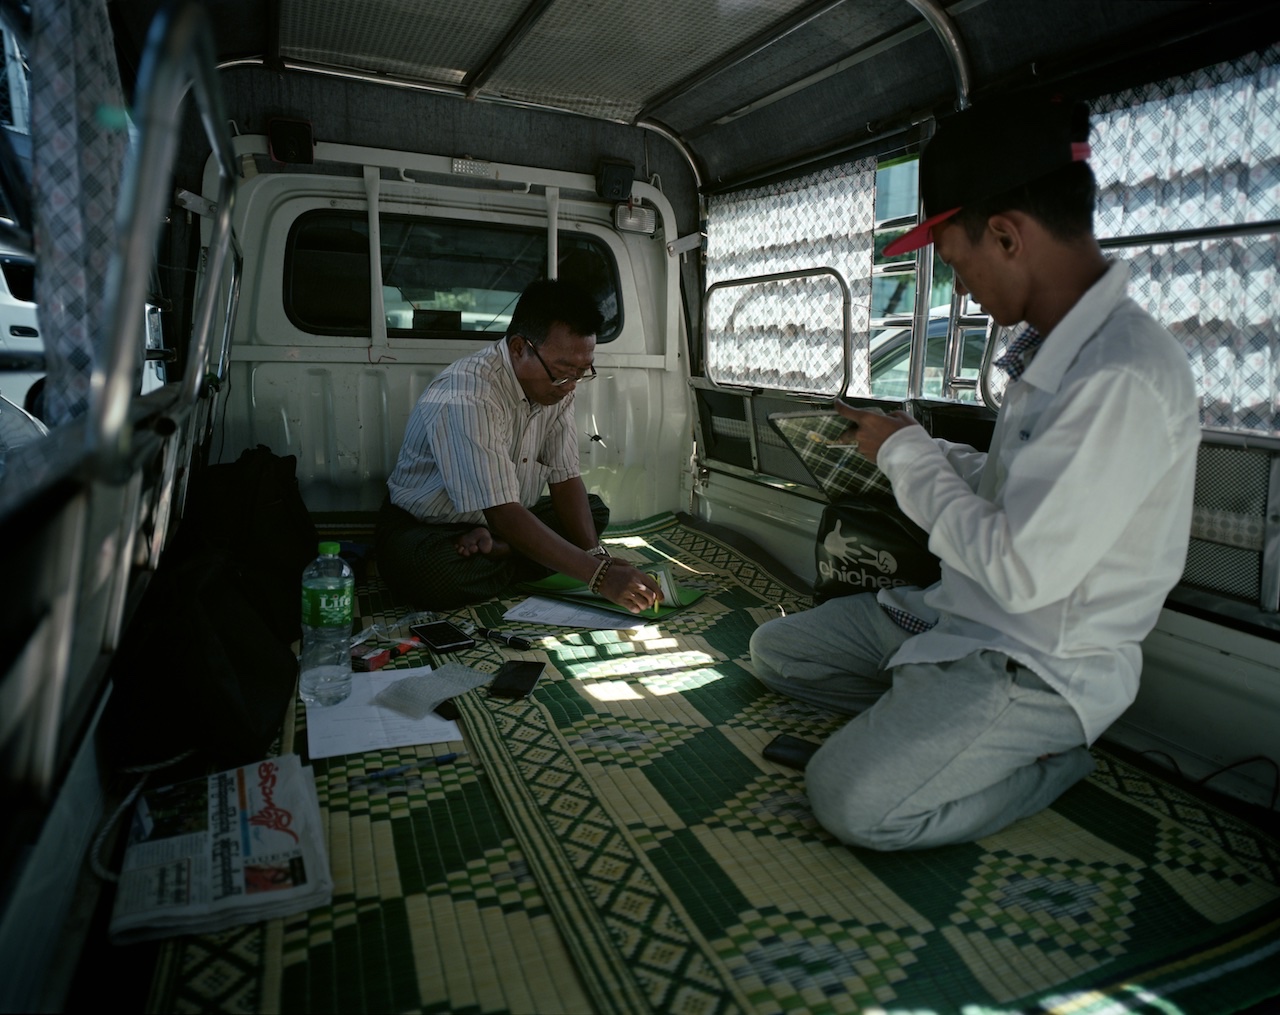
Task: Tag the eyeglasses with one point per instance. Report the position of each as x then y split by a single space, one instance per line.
587 375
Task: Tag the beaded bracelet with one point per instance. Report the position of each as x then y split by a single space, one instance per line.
598 578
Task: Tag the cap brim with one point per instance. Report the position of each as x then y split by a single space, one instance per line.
918 237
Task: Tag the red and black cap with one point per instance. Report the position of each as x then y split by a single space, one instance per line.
987 150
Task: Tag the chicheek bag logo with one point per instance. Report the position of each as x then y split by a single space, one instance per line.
857 557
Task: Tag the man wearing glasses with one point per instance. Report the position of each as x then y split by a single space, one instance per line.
465 517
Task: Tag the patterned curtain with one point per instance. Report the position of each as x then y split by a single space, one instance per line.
1189 153
79 137
788 335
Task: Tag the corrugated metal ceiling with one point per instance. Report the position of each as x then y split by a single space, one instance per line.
743 85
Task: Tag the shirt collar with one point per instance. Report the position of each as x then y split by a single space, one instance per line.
1016 358
508 372
1060 347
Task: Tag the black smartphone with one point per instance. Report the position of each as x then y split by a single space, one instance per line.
790 751
516 679
441 636
448 709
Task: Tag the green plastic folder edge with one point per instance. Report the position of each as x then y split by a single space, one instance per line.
562 586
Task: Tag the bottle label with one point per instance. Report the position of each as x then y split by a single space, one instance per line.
327 607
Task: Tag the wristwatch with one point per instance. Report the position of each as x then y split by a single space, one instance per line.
599 551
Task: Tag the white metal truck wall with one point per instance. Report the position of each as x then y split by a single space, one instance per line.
340 404
345 423
1209 697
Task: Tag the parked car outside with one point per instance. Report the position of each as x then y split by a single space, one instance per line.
20 341
17 427
22 363
891 358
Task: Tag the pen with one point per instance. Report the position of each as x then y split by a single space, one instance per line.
391 773
507 639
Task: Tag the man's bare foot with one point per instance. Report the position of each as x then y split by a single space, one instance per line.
480 540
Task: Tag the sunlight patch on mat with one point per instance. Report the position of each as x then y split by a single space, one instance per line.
657 685
659 674
640 543
613 690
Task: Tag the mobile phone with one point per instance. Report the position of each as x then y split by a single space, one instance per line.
441 636
447 709
516 679
790 751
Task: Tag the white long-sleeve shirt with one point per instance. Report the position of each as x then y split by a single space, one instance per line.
1059 545
474 441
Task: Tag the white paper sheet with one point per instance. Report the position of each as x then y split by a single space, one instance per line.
558 613
357 725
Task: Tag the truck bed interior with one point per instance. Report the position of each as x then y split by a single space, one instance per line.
618 843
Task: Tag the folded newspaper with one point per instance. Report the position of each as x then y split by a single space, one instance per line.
231 848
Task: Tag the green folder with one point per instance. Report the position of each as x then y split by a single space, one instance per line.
561 586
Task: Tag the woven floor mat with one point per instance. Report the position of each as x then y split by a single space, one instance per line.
618 844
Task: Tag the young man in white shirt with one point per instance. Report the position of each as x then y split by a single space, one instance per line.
975 700
465 518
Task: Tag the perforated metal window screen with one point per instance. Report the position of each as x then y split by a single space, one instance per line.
738 429
1225 569
1233 479
1227 548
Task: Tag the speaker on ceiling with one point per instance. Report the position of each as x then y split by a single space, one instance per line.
614 179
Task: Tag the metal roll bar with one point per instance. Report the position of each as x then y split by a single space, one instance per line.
846 303
179 56
945 29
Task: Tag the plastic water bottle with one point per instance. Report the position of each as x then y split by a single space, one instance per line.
328 588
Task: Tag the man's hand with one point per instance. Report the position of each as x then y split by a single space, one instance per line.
869 430
628 587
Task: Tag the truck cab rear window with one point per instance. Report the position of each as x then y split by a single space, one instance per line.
441 278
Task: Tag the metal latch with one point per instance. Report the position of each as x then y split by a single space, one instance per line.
195 204
683 244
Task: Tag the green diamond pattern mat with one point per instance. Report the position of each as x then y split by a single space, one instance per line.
618 844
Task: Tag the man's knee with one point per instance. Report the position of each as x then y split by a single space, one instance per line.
766 656
599 512
851 804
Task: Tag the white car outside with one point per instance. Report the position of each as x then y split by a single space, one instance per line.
19 329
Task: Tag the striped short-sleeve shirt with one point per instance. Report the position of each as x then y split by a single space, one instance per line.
474 441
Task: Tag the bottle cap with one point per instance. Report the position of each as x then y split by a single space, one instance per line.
330 549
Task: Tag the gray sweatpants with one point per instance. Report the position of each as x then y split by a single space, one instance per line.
938 753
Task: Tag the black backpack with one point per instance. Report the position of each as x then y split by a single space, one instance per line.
207 662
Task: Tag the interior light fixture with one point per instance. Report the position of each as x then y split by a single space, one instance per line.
630 217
